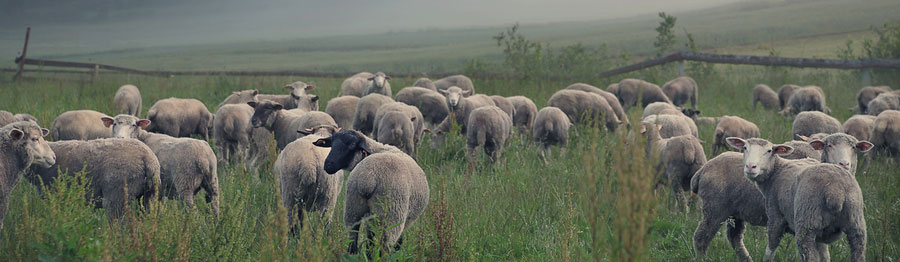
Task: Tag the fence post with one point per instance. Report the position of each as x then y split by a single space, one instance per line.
866 77
680 67
95 72
21 74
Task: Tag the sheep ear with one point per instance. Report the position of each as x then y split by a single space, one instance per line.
310 87
45 132
413 119
278 107
643 129
143 123
864 146
466 92
803 138
782 149
442 91
387 77
306 131
254 92
323 142
364 152
817 144
107 121
736 143
289 87
371 79
427 130
314 98
252 104
16 134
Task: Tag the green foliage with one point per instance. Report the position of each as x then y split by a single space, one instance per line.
665 35
846 52
887 43
532 60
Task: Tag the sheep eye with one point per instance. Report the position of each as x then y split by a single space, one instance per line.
133 124
770 151
34 139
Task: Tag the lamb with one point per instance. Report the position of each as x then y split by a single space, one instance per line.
383 182
356 85
180 117
304 182
404 131
733 126
886 132
884 101
865 95
186 165
816 201
859 126
79 125
379 84
611 99
551 127
21 145
784 94
808 98
460 108
364 121
489 127
631 89
808 123
841 149
460 81
425 83
234 135
656 108
680 157
115 166
681 90
505 105
764 95
673 125
240 97
342 109
526 111
432 104
582 107
128 100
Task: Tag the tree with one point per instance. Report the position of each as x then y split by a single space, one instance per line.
665 38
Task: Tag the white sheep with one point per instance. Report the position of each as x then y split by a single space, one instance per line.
551 127
304 182
128 100
342 109
21 145
79 125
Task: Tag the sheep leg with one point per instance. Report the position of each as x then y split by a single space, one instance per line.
806 245
114 204
211 186
774 231
735 235
355 208
544 152
856 237
4 207
706 231
470 154
822 249
187 197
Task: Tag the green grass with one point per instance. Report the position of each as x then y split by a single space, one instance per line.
518 209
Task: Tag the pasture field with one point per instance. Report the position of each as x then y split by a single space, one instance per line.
597 201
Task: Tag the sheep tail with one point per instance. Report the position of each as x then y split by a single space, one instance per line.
695 181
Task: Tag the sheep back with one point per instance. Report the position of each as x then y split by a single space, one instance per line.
79 125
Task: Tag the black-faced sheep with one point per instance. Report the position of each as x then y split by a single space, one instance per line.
764 95
128 100
551 127
21 145
682 90
733 126
180 118
79 125
343 109
808 123
364 121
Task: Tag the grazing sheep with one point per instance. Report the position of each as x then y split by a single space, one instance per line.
673 125
128 100
584 107
841 149
611 99
884 101
21 145
525 113
808 123
425 83
613 88
186 165
240 97
460 81
656 108
6 118
304 182
114 166
25 117
432 104
631 89
356 85
886 132
460 108
551 127
784 94
342 109
379 84
733 126
859 126
180 117
680 157
404 131
366 108
681 90
234 135
383 182
865 95
79 125
764 95
816 201
489 127
505 105
808 98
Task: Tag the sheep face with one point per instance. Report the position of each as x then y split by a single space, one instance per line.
347 149
453 95
125 126
841 149
298 89
262 112
759 156
306 102
379 79
29 138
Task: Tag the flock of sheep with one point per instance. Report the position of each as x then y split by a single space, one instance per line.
806 186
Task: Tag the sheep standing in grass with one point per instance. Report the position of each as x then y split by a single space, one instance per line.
304 182
886 132
379 84
114 166
128 100
808 123
816 201
383 182
584 107
432 104
865 95
179 117
186 165
79 125
343 109
240 97
682 90
859 126
551 127
733 126
673 125
404 130
489 128
680 157
526 111
460 108
611 99
356 85
808 98
464 83
425 83
364 121
764 95
234 135
505 105
784 94
21 145
629 90
884 101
